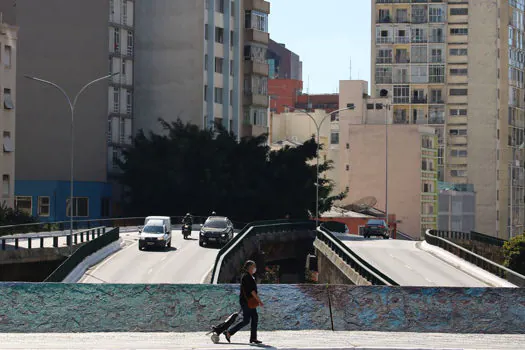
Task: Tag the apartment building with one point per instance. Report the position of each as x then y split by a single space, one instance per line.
393 163
458 65
284 63
8 53
203 62
69 43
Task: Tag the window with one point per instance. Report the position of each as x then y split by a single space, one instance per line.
436 74
205 92
80 207
122 130
427 188
383 75
459 11
401 15
419 14
384 56
419 35
24 204
436 14
6 186
130 43
459 52
218 95
129 102
231 97
458 71
8 100
369 106
231 68
419 74
334 138
123 69
7 56
401 94
436 96
347 145
232 7
44 206
458 92
206 62
347 167
116 39
206 31
218 64
219 35
458 132
8 142
436 55
231 38
124 12
419 54
116 100
458 153
458 173
458 31
384 16
110 65
256 20
115 159
219 5
457 112
105 210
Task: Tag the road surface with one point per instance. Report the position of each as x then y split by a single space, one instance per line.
185 262
408 265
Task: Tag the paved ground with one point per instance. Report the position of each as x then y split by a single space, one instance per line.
408 265
274 340
185 262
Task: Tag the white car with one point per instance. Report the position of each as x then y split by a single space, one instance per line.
155 234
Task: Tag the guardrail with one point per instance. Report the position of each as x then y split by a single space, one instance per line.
465 254
470 236
255 228
404 237
57 237
358 264
82 253
59 226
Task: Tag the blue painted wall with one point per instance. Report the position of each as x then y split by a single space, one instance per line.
58 192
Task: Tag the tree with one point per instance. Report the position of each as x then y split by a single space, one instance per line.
514 253
10 216
192 170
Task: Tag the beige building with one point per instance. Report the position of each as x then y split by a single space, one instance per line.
459 66
8 49
362 164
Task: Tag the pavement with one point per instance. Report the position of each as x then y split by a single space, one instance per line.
273 340
408 265
185 262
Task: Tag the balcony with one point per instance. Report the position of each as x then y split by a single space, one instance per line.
255 99
419 100
386 19
256 36
436 120
252 67
402 59
257 5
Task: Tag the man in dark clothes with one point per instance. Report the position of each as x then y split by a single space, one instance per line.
248 290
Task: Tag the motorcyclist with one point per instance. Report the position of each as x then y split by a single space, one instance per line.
187 219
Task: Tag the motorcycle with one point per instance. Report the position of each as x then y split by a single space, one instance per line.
186 230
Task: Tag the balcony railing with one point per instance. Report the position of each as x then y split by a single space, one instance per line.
402 60
384 40
419 100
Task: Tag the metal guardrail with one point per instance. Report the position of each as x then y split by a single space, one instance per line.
470 236
358 264
501 271
78 237
82 253
255 228
404 237
59 226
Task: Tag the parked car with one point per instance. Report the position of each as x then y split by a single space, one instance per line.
216 229
155 234
377 228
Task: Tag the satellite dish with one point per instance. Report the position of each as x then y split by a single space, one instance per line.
362 204
383 93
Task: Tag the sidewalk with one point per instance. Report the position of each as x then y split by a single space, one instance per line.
275 340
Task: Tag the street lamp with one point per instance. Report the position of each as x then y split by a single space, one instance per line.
72 106
318 129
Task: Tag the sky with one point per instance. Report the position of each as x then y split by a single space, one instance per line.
326 35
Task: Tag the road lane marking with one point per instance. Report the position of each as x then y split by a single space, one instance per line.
408 267
99 266
203 280
164 258
150 271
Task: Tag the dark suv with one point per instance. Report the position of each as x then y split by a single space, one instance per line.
376 228
216 229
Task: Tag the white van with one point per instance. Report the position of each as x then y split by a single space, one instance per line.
155 233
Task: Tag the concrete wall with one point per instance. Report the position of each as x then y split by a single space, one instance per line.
41 308
169 63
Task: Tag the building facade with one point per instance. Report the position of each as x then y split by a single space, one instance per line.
203 62
459 66
457 208
65 42
8 50
284 64
283 93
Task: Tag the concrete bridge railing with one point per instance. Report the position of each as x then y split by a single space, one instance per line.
513 277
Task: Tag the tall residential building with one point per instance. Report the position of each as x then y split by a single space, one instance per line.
69 43
459 66
284 64
8 53
203 62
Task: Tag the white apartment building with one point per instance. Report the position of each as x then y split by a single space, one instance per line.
8 48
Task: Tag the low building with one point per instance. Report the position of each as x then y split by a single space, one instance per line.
8 48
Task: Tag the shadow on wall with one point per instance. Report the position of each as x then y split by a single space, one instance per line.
44 308
28 271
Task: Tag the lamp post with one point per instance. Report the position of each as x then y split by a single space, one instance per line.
72 106
318 130
387 108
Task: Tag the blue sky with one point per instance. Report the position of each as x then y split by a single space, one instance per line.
325 34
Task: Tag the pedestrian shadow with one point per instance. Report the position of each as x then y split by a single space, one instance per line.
263 346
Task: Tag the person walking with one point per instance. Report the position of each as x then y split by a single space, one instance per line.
249 300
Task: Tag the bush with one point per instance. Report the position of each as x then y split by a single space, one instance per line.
514 252
10 216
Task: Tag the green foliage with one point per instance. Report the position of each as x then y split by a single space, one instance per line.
10 216
514 252
199 171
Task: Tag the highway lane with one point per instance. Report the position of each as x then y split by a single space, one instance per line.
185 262
408 265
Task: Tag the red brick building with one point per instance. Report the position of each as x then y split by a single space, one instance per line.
283 92
327 102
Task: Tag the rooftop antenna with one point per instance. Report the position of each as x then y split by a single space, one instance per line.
308 102
350 68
